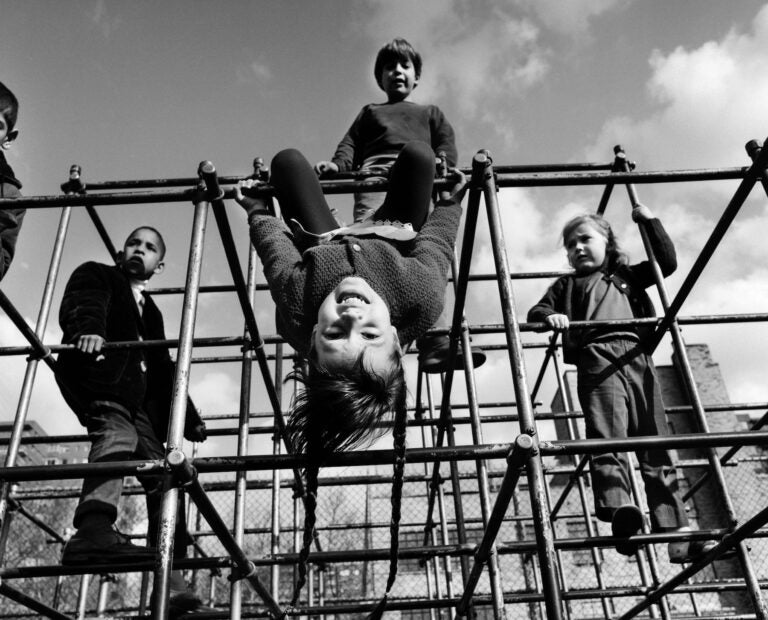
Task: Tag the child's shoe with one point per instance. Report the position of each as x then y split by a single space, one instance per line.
627 521
433 355
686 551
186 603
101 546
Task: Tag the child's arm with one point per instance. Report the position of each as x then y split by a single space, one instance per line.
346 157
84 308
661 244
551 308
443 136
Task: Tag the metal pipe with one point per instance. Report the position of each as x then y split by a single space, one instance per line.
729 541
755 172
164 563
235 595
482 170
25 396
518 456
685 368
31 603
245 569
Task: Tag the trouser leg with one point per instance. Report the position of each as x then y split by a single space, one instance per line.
410 186
299 193
113 438
150 447
603 397
656 467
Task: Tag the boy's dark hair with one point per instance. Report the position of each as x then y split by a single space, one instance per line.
154 230
9 106
339 411
614 255
397 49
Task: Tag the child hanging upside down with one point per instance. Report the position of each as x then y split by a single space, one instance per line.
617 383
349 298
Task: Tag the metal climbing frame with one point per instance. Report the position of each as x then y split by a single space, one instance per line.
483 586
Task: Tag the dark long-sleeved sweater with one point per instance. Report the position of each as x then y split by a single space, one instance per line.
409 276
385 128
630 280
10 219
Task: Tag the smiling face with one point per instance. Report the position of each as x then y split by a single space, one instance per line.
586 248
353 320
398 79
142 255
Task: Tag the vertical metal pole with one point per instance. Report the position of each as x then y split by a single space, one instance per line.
750 577
29 376
276 450
164 562
460 285
440 494
241 477
82 596
585 511
482 172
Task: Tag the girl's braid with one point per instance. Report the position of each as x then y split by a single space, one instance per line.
310 518
397 496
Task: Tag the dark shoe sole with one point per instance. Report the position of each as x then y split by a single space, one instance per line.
627 521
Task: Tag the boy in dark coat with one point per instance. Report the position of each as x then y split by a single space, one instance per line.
123 397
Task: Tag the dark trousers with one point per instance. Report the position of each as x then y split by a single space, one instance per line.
408 197
117 434
620 396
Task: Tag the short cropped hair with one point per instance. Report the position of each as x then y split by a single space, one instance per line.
397 49
154 230
614 255
9 106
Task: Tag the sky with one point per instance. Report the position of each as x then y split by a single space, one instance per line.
148 89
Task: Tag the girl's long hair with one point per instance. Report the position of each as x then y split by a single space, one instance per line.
337 411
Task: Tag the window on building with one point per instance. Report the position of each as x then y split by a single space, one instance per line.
411 538
415 614
51 461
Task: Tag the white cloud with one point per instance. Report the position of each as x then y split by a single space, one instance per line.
571 17
708 102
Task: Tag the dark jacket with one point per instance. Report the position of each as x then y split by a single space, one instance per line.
630 280
10 219
409 276
98 300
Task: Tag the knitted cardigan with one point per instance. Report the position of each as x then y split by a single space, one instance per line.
409 276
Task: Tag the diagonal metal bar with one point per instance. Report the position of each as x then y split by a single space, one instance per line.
729 541
31 603
516 459
753 174
187 476
215 194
